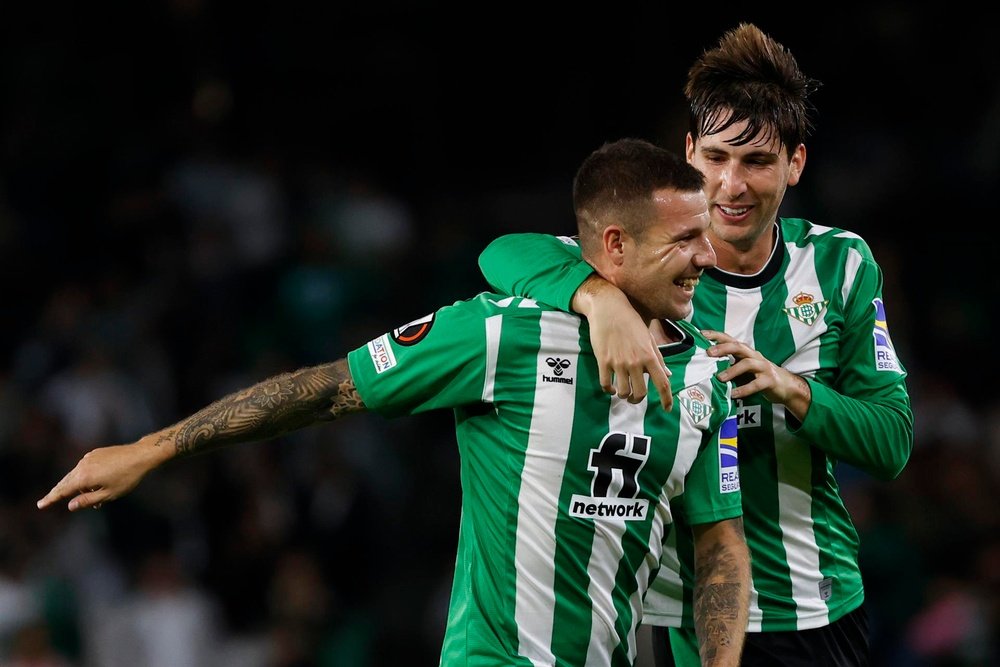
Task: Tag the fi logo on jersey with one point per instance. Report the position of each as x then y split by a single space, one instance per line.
729 460
615 465
885 353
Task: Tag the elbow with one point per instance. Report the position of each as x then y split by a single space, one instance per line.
895 466
889 469
899 450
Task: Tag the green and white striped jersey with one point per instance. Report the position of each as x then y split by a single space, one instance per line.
566 491
816 309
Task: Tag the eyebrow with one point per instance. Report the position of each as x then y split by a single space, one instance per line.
686 231
758 153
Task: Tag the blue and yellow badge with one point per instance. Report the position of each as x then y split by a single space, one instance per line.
885 353
729 460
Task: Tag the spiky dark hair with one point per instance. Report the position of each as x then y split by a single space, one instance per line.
750 77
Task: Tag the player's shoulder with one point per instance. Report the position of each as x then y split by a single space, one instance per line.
486 304
469 318
802 233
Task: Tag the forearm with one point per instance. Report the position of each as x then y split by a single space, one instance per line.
875 434
552 275
268 409
722 594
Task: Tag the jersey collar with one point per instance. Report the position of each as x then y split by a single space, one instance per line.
770 270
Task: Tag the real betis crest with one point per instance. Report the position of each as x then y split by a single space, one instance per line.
693 401
806 310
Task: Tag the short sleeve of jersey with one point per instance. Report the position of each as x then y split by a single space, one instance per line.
437 361
712 486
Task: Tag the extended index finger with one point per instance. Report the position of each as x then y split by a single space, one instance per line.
660 377
65 488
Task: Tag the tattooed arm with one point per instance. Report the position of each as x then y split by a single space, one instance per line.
721 591
277 405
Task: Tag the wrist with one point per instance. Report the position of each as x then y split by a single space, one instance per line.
157 448
594 291
800 397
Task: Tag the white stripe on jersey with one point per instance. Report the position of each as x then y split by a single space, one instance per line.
603 566
493 326
668 601
794 465
817 230
541 481
851 265
667 598
801 276
794 470
742 308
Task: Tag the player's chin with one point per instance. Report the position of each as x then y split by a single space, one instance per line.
680 306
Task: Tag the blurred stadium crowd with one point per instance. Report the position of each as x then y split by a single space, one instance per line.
201 197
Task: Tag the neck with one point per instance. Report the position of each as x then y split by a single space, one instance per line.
748 256
662 335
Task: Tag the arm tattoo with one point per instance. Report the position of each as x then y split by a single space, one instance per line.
721 596
267 409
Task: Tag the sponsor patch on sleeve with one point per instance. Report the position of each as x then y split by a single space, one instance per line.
381 353
885 353
729 468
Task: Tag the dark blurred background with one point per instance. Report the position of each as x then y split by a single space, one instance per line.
196 195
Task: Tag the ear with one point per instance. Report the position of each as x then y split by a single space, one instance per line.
613 240
689 148
797 165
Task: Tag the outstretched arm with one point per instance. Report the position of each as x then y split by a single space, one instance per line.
268 409
721 591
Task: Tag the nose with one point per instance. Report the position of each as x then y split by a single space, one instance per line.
704 257
733 179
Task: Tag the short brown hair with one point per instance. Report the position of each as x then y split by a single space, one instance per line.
615 184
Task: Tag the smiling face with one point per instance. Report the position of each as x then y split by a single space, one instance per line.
660 268
744 185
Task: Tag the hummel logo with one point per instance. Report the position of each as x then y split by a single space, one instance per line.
557 365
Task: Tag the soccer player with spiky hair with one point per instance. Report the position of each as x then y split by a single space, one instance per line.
798 306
